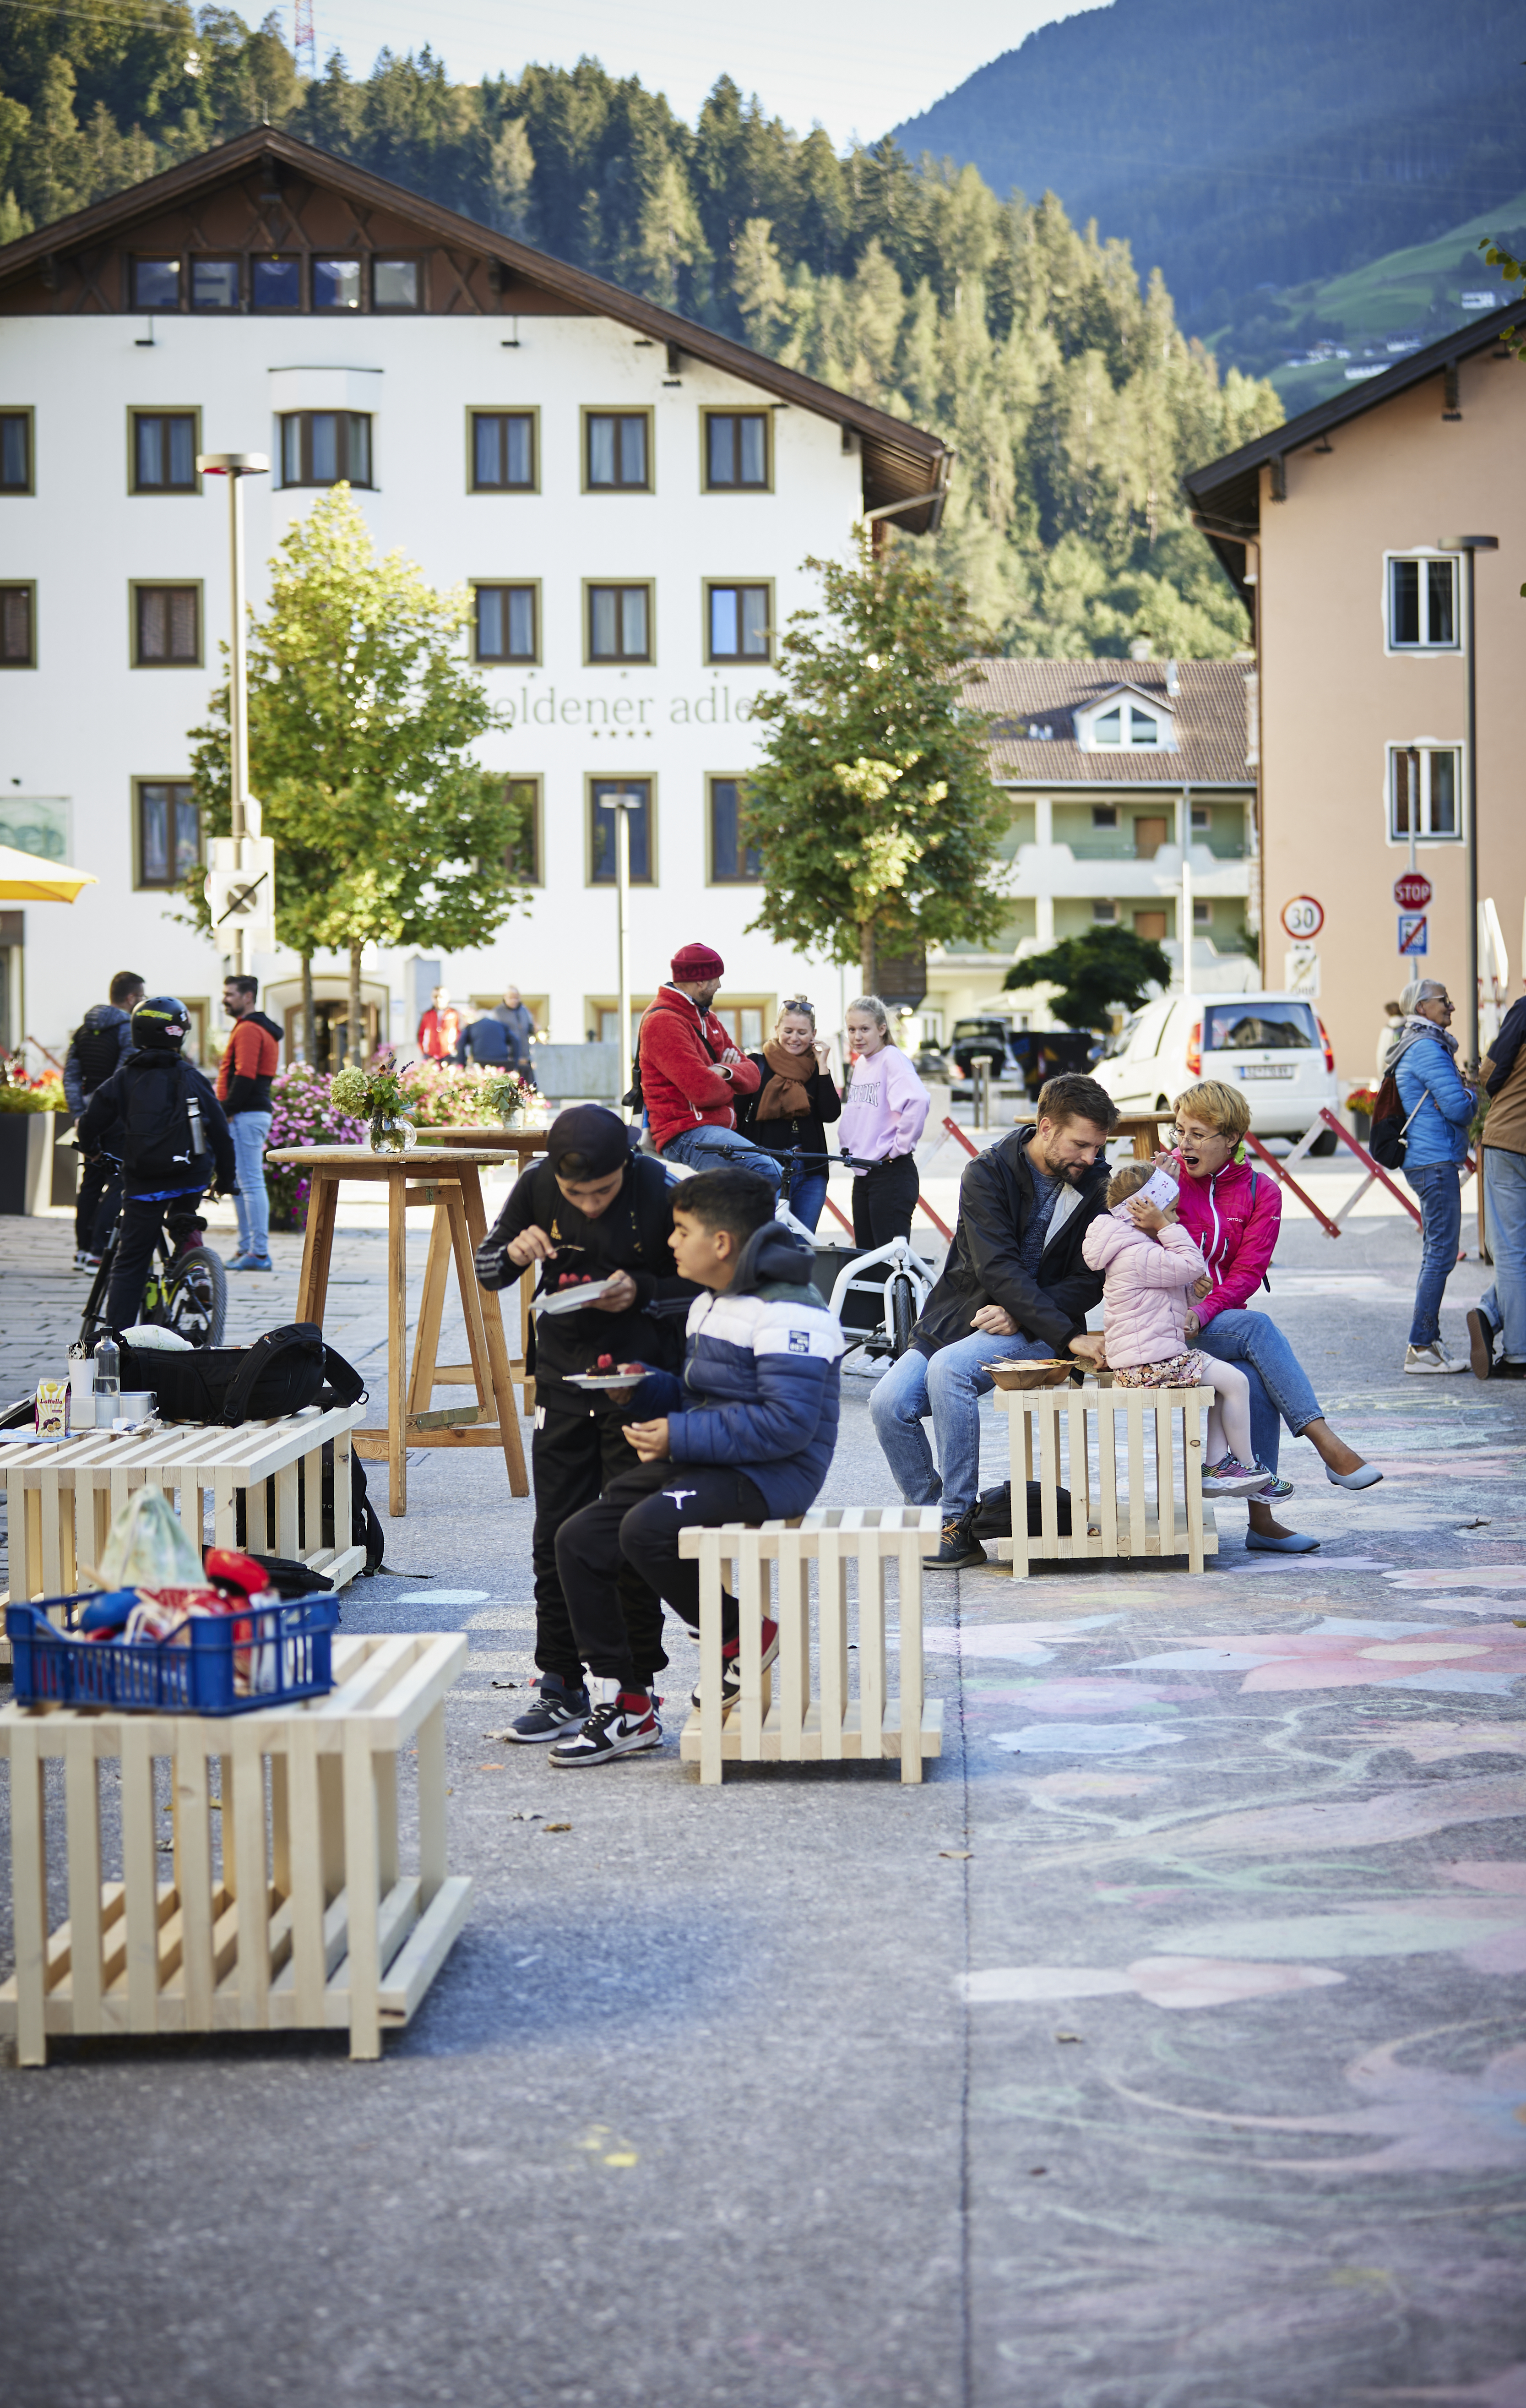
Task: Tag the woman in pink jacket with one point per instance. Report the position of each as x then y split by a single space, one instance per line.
1233 1213
1149 1267
884 1113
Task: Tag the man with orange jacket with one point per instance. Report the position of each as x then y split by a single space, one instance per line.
249 1063
691 1069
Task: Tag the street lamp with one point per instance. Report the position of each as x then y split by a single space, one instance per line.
235 466
622 802
1469 545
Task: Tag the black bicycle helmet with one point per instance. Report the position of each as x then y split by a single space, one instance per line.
160 1023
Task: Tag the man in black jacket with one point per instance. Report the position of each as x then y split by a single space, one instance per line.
1015 1285
593 1211
99 1046
157 1116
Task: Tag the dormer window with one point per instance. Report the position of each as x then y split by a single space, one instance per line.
1122 725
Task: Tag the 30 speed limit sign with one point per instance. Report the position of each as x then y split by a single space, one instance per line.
1303 917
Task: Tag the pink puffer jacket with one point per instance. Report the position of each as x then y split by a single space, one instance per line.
1147 1288
1234 1218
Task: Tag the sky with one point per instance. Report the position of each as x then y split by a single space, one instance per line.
857 67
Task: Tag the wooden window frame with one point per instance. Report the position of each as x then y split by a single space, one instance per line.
157 259
216 259
307 484
1422 555
356 259
647 778
531 660
592 660
28 417
535 779
263 309
714 777
609 409
27 586
708 585
706 485
162 493
418 261
488 410
140 585
142 885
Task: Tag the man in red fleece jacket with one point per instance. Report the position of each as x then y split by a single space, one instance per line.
250 1062
691 1069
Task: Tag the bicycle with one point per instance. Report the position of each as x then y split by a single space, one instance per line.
186 1290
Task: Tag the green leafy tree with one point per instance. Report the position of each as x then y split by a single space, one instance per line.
872 803
1094 972
363 713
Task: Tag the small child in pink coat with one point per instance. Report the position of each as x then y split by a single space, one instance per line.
1150 1266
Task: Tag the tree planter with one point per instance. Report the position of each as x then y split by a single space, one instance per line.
26 1159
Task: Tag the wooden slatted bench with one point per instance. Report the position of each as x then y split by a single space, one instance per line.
1158 1509
301 1919
779 1718
62 1498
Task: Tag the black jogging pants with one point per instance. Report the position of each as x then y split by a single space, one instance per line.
572 1456
637 1521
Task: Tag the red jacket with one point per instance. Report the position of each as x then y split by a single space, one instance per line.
249 1061
439 1033
682 1085
1232 1219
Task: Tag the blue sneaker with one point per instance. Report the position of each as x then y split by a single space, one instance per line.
250 1263
560 1711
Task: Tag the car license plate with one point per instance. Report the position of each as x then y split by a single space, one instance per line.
1266 1070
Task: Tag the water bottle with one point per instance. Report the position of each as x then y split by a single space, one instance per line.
107 1368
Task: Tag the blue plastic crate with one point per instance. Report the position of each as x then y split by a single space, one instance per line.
289 1645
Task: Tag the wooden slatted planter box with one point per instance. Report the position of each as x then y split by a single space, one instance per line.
781 1716
1154 1507
301 1919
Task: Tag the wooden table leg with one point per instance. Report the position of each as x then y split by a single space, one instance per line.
426 1337
317 1247
502 1383
398 1343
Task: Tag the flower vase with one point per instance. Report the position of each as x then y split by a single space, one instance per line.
390 1135
512 1116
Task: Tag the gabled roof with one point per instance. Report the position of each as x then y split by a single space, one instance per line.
904 465
1209 709
1226 494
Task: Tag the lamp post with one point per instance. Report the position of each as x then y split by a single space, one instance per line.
235 466
622 802
1469 545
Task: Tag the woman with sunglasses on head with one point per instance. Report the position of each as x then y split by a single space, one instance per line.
796 1098
883 1116
1233 1214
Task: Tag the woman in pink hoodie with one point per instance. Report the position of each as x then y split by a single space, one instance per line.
1151 1268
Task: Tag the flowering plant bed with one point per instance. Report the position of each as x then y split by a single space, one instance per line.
303 1112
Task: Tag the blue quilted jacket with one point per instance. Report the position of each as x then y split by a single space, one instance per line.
1429 1088
759 1387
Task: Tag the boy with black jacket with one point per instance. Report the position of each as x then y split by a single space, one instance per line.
158 1117
593 1211
98 1047
1015 1285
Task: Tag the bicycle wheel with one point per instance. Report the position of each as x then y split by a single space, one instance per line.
197 1298
903 1316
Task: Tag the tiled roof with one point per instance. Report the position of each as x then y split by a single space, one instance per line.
1209 709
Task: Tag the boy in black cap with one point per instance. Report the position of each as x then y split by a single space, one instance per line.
593 1211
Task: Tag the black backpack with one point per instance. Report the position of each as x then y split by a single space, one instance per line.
97 1051
283 1371
160 1119
1389 1141
993 1514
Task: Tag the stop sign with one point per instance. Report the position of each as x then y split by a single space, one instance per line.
1412 892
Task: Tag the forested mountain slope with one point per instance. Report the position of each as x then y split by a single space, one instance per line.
1074 399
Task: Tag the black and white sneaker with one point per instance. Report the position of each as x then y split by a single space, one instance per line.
557 1711
731 1664
623 1723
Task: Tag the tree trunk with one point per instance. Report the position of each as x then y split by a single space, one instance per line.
866 956
310 1018
356 1049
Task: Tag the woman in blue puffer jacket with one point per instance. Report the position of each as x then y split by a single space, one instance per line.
1438 1106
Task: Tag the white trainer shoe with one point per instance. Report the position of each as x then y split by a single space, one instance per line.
1428 1361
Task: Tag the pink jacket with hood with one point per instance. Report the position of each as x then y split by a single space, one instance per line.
1146 1288
1233 1219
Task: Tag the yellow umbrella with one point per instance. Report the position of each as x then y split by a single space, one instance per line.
25 878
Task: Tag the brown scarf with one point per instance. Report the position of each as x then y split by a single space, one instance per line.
784 1098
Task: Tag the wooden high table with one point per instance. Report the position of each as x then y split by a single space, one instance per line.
524 1145
444 1177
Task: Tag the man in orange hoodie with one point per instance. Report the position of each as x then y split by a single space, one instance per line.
243 1089
691 1069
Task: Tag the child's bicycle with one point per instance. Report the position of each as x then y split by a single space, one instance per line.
186 1290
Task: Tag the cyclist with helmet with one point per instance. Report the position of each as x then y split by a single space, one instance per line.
160 1119
99 1046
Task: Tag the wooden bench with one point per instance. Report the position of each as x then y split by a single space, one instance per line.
778 1717
301 1919
63 1498
1078 1432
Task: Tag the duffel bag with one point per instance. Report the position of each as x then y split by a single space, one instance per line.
281 1373
993 1514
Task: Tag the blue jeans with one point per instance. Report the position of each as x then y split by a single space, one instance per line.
707 1148
1504 1305
249 1132
808 1195
1440 1191
949 1385
1279 1390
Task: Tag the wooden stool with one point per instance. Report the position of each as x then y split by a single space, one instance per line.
64 1498
831 1723
444 1177
1103 1524
308 1925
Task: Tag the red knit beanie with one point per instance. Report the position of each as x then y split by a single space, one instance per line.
693 963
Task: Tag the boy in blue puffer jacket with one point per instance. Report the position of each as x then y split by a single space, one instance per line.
745 1435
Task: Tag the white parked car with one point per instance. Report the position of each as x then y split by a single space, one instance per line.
1274 1046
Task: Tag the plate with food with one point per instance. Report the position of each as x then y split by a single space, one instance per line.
1035 1373
575 1294
608 1374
